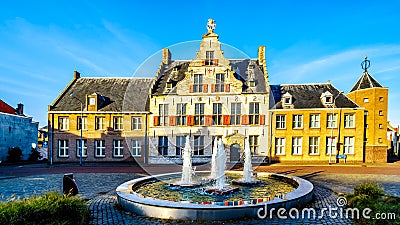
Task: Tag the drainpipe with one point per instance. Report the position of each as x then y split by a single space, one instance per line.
145 141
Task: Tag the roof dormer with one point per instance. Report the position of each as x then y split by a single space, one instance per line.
287 99
94 101
327 98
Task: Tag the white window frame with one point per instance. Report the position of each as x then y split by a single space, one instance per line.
100 147
217 114
198 83
331 120
199 114
78 147
136 148
118 122
314 146
181 114
348 145
280 121
236 112
254 113
179 144
63 123
253 141
136 122
297 121
349 120
220 82
85 123
100 122
63 148
163 112
331 145
198 145
315 121
280 146
118 148
297 145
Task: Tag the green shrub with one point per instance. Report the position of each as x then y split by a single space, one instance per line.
49 209
14 154
370 189
34 156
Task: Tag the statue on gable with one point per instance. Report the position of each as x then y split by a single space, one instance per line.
211 25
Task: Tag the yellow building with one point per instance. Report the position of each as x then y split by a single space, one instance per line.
113 123
369 94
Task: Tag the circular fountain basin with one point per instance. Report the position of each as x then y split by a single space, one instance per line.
185 210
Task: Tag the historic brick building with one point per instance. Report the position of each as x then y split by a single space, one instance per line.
211 96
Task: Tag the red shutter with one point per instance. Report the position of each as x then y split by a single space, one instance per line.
226 119
156 121
191 88
215 62
212 87
203 62
262 119
172 120
227 87
205 88
190 120
208 120
245 120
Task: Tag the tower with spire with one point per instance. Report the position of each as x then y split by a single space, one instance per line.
369 94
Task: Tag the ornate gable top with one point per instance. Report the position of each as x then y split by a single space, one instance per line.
366 80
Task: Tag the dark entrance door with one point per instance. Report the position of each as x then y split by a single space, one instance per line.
235 153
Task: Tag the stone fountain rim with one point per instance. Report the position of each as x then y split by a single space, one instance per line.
125 192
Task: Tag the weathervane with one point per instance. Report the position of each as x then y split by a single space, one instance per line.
365 64
211 25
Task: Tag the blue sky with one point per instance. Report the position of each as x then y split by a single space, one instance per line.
43 42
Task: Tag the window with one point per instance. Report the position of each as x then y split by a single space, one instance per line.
314 120
136 123
348 120
163 145
297 143
82 123
331 120
118 150
198 145
328 99
252 83
163 112
380 112
297 121
136 148
92 101
209 58
100 146
236 112
380 126
217 114
181 114
63 123
280 121
180 144
198 83
366 100
100 123
280 146
199 114
220 82
118 123
63 148
314 146
348 145
254 113
330 145
287 99
78 147
169 85
381 99
253 141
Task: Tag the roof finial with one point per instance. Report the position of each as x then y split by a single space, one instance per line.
365 64
211 25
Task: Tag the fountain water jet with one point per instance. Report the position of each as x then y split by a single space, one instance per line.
247 168
214 160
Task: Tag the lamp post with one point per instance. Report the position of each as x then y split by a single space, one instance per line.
81 148
333 111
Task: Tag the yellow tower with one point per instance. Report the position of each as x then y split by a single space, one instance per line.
369 94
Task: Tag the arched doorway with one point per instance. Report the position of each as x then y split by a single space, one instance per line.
235 153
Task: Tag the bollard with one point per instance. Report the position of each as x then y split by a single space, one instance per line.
69 186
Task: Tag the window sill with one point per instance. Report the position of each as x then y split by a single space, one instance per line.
135 156
297 154
313 154
99 156
118 156
297 128
63 156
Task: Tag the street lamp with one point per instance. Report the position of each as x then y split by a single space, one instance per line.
81 149
333 108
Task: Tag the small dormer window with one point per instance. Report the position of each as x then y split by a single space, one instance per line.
327 98
287 99
251 66
252 83
169 85
92 101
175 69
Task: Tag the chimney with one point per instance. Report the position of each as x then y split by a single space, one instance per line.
166 56
20 109
77 75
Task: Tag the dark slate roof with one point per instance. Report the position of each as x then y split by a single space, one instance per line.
119 94
365 81
240 66
306 96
